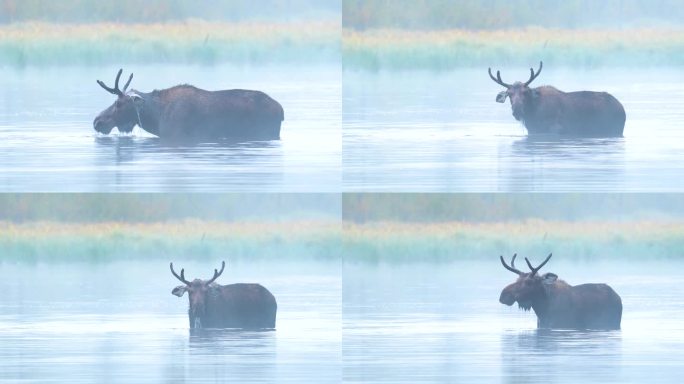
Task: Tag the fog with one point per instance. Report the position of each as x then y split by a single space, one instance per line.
130 11
488 14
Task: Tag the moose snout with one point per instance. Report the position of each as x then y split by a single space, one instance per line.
101 126
506 298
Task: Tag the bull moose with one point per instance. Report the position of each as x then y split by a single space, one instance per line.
186 113
245 306
546 109
559 305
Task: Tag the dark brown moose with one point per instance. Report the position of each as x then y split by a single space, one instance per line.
186 113
245 306
545 109
559 305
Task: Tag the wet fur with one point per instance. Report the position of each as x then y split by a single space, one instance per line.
582 113
559 305
187 113
245 306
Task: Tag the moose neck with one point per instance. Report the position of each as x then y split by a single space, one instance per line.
540 305
148 114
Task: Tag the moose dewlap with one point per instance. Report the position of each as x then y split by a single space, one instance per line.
559 305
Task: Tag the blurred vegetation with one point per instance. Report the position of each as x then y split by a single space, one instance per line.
448 241
448 34
152 11
85 32
192 42
354 228
448 49
506 14
49 241
152 208
494 207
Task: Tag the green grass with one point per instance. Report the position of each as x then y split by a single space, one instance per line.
393 242
102 242
449 241
379 49
193 42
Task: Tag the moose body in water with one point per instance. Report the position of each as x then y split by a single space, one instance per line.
244 306
559 305
545 109
186 113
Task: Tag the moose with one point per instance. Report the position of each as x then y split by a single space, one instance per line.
559 305
244 306
547 110
185 113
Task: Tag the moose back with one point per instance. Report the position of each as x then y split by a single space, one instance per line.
185 113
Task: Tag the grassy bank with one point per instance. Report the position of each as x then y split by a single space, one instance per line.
392 242
378 49
443 242
110 241
193 42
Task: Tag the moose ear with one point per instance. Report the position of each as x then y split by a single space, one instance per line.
501 97
179 290
137 99
549 278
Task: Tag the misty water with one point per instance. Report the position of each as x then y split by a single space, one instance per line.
443 323
118 323
422 131
48 141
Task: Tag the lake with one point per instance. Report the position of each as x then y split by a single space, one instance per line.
49 145
443 323
422 131
118 323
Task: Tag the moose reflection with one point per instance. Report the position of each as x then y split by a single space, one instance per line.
546 109
186 113
559 305
245 306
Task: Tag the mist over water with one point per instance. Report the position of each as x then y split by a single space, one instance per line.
118 322
425 322
49 143
421 131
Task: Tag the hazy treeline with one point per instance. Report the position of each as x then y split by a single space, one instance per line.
146 208
137 11
510 207
503 14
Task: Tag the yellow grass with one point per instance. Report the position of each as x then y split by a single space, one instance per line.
394 48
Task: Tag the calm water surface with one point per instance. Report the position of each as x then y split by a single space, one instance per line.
119 323
48 142
443 323
423 132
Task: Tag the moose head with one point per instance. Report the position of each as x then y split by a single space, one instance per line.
528 289
198 293
520 94
122 114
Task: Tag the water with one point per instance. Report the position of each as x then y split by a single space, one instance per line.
119 323
49 144
416 131
443 323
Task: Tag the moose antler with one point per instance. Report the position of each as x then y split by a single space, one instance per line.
182 275
216 273
533 75
116 90
535 270
498 78
512 267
